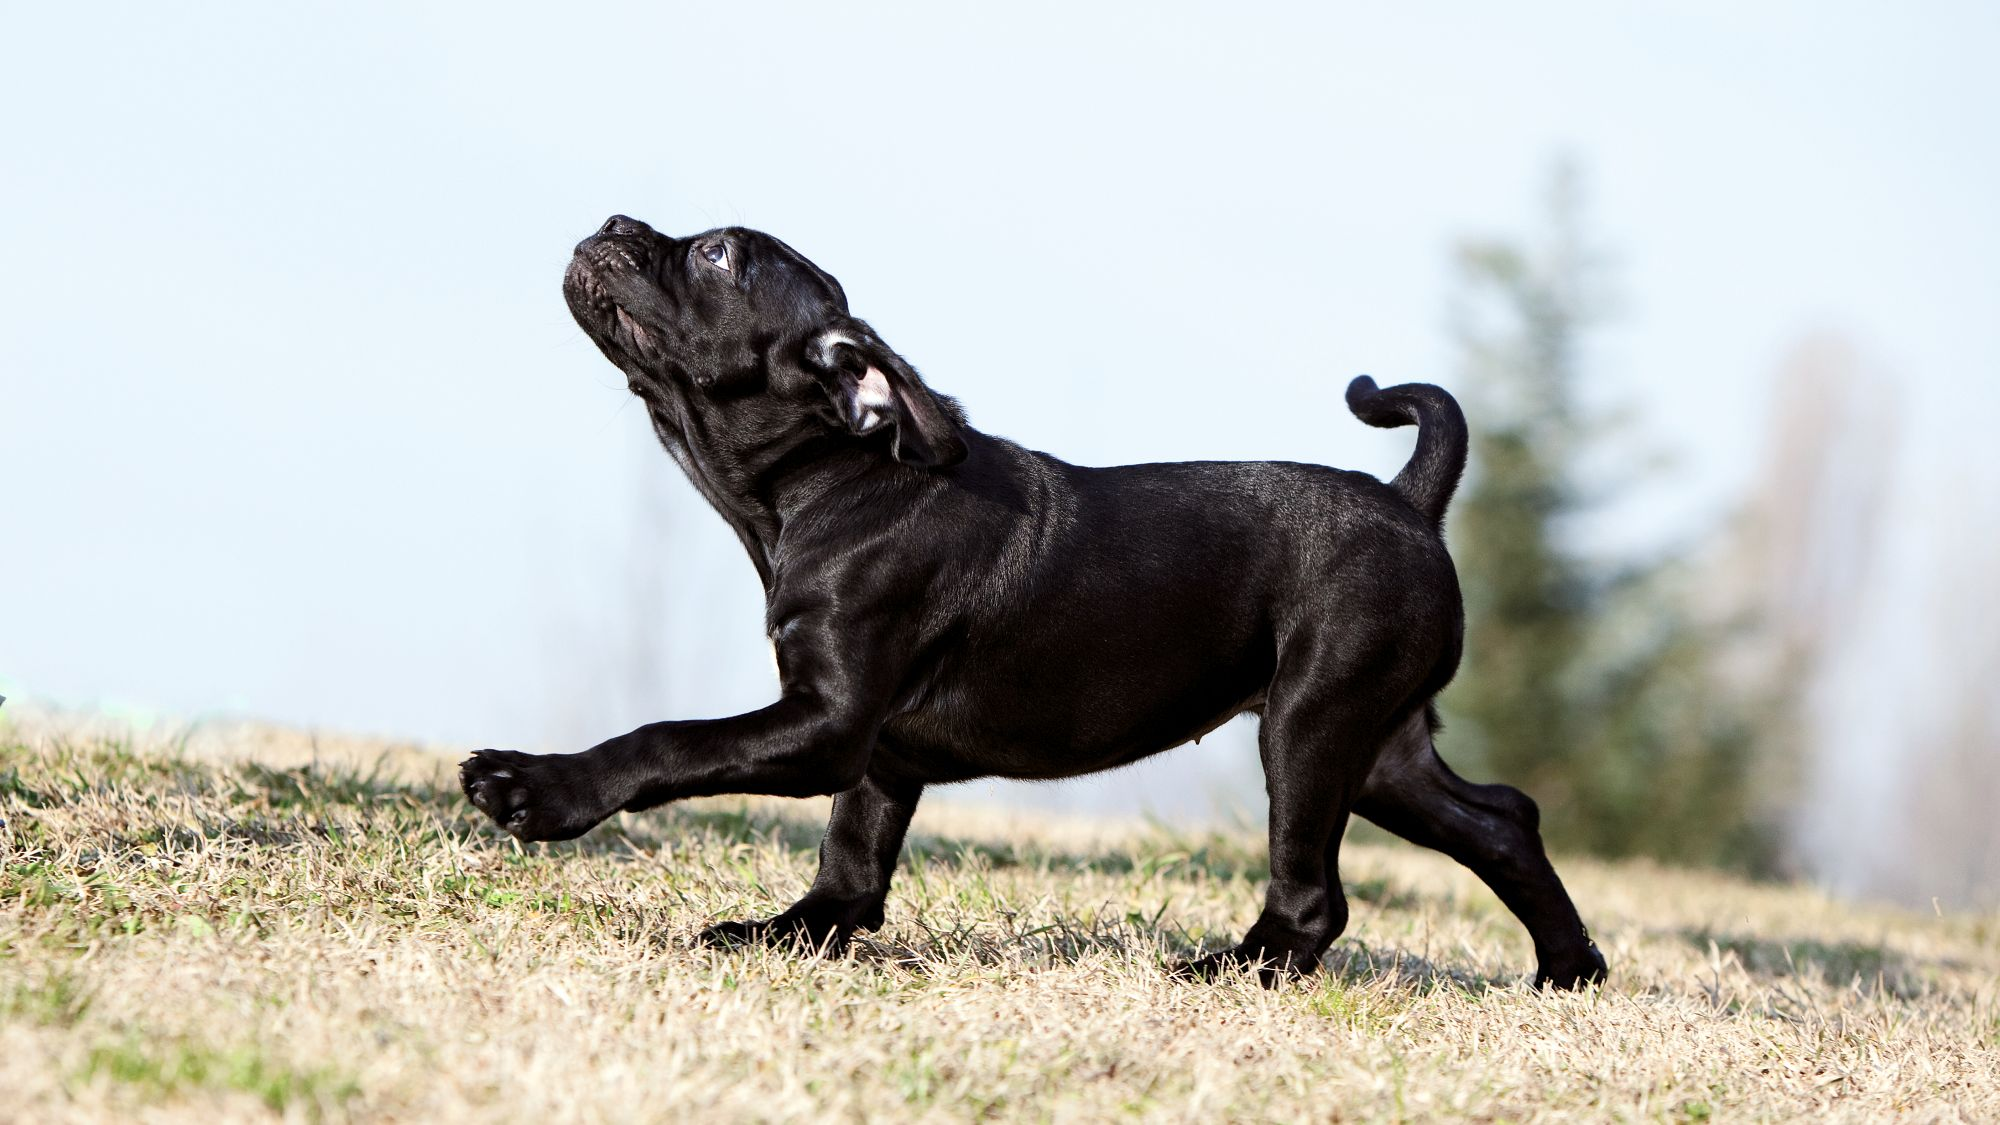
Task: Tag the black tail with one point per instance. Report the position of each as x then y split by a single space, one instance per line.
1430 478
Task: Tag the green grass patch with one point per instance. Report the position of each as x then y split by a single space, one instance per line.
165 1069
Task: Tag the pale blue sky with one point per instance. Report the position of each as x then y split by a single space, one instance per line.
293 421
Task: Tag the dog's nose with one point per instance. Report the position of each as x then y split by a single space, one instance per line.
623 224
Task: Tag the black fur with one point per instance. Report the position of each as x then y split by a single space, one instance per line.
947 605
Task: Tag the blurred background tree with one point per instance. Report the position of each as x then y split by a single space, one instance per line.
1603 687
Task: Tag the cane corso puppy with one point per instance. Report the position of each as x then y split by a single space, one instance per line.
948 605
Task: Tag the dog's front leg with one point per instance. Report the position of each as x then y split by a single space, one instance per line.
816 740
797 747
856 860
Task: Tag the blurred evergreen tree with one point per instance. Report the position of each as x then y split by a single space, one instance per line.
1597 688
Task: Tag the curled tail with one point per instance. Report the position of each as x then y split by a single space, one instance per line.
1431 476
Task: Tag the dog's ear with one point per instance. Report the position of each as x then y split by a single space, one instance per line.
872 387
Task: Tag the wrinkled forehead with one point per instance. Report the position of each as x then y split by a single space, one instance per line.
768 253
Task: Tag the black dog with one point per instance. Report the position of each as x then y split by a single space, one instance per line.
947 605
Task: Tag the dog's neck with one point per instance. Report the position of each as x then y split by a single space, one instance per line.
756 489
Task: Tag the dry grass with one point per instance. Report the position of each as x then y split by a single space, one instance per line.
246 925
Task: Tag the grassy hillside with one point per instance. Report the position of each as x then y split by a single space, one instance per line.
249 924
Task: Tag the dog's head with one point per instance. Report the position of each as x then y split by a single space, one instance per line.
736 325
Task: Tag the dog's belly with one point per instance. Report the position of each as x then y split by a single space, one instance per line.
1088 695
1049 741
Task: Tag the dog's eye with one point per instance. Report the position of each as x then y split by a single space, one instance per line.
717 253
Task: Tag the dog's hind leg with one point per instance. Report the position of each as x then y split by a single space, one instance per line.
1492 829
1314 740
857 857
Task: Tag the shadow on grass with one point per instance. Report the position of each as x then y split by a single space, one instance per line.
1353 962
271 807
1213 856
280 807
1068 941
1872 967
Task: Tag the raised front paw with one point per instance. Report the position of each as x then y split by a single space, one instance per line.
535 796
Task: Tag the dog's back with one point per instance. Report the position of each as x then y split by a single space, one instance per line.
1104 614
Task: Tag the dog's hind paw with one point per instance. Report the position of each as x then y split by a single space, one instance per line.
795 934
732 935
1574 973
1271 970
818 923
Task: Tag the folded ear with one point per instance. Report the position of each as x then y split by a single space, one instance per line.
872 387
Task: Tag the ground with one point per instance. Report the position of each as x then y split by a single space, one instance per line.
250 923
